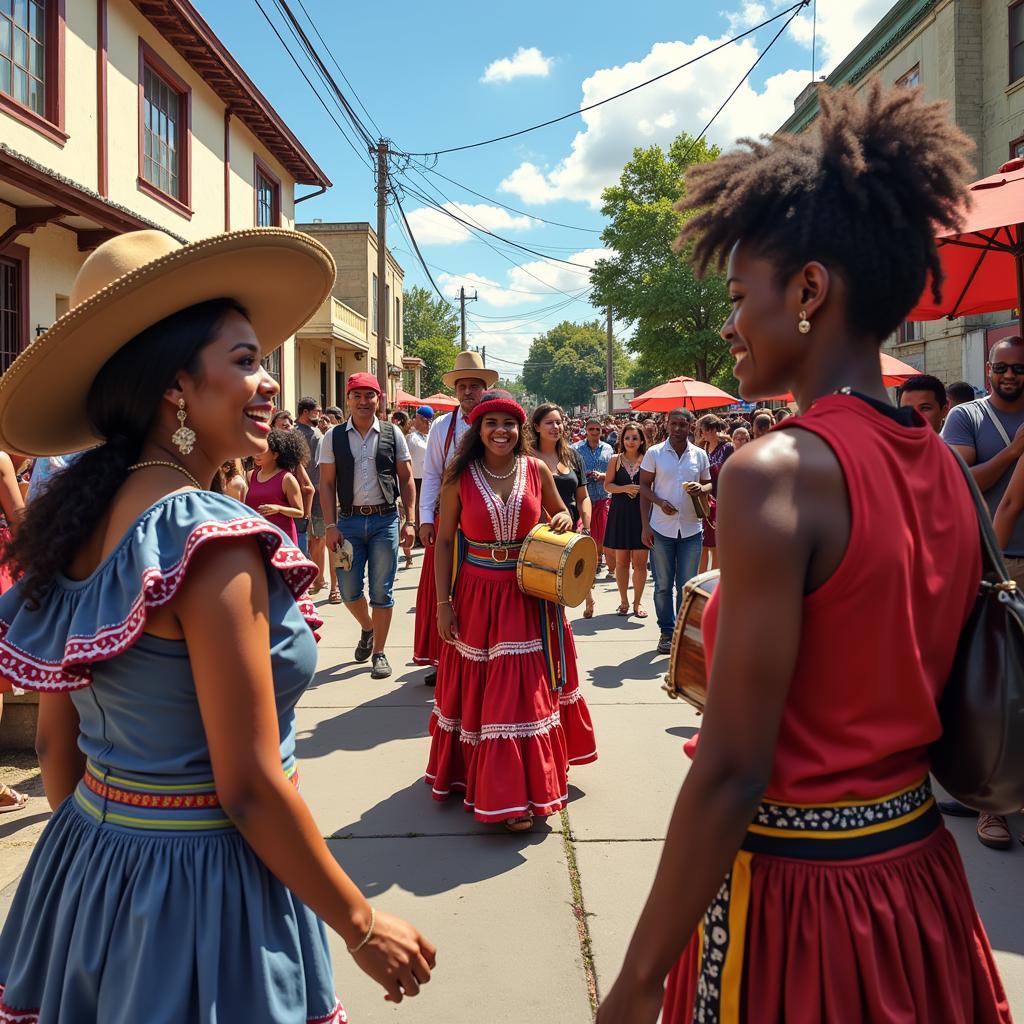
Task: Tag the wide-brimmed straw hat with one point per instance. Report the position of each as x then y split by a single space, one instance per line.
134 281
470 365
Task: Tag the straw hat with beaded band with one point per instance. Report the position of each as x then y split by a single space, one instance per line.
134 281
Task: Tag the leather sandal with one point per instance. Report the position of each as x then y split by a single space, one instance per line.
993 832
521 824
12 800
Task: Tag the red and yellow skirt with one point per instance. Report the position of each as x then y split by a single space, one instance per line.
851 913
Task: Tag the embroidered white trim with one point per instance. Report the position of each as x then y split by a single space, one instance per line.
504 515
157 588
497 730
554 805
566 699
506 648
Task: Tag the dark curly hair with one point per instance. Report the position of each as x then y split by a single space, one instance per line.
290 448
122 406
862 193
471 447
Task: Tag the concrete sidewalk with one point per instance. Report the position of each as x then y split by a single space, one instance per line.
527 927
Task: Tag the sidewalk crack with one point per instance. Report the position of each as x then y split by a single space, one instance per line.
579 912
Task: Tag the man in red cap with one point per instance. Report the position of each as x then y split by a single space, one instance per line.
364 466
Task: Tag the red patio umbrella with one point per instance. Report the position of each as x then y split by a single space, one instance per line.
440 401
682 392
983 263
894 373
404 398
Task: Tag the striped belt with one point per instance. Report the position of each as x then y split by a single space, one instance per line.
176 807
846 830
501 555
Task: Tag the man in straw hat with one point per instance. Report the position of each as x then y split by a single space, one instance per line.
469 380
168 632
364 467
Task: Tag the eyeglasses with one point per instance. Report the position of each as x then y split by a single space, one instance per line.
1017 368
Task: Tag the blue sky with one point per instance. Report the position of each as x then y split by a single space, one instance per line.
453 73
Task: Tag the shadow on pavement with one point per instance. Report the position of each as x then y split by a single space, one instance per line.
648 665
16 822
365 727
467 858
605 623
683 731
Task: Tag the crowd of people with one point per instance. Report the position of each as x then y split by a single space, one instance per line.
158 597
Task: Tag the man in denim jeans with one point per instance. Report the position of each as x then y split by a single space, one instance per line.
364 465
671 527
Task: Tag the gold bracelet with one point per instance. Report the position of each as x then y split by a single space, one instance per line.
369 933
439 603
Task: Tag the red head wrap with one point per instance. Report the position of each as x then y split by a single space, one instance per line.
504 404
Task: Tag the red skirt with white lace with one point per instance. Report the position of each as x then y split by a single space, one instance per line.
500 733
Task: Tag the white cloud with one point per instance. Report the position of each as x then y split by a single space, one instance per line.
656 114
749 15
541 275
687 99
431 227
840 26
489 291
526 62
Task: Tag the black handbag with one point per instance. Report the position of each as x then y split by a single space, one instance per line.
979 759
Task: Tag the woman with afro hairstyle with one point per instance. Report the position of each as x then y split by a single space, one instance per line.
274 490
806 874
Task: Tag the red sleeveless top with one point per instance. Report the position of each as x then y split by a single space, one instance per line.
877 638
486 518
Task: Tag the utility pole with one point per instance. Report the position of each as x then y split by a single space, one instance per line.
463 298
609 370
382 266
483 354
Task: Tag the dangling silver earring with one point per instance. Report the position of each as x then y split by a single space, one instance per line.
804 327
184 438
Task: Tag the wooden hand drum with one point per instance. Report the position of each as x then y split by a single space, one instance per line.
557 567
687 673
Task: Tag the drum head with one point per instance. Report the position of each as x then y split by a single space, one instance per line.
579 570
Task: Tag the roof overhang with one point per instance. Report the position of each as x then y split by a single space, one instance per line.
184 28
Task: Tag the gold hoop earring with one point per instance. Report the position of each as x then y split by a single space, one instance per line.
184 438
804 327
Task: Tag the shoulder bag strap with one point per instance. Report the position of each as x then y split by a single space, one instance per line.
987 406
992 563
450 436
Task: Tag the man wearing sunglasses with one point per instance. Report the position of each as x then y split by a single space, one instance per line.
989 434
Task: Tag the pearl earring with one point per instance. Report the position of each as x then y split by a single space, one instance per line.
804 327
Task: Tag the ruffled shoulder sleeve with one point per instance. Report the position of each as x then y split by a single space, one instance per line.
81 622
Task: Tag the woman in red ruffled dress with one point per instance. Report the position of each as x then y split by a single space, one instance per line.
508 717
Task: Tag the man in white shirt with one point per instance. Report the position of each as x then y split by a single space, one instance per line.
364 465
469 380
669 473
417 441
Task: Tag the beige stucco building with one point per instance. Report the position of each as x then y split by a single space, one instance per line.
124 114
969 53
342 338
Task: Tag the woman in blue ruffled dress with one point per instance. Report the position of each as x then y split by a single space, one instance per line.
182 877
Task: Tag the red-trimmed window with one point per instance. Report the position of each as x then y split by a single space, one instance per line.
911 78
1017 148
1016 33
13 304
268 196
165 137
32 64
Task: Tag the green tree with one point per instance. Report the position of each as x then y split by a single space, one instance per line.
647 284
515 387
566 365
430 329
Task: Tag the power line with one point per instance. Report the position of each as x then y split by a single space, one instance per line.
362 157
736 88
341 71
625 92
282 6
419 255
475 226
505 206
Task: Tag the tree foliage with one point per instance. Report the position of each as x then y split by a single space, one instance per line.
647 284
430 329
567 364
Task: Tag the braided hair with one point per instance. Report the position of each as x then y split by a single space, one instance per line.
863 194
